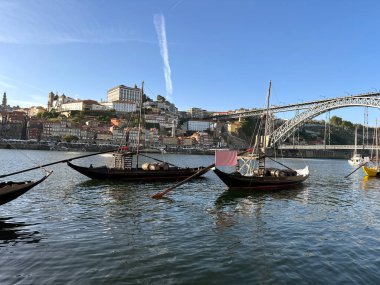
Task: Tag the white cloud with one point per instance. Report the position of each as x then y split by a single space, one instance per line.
159 23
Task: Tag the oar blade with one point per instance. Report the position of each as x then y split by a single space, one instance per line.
161 194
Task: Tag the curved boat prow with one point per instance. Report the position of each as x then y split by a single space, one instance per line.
370 171
11 190
303 172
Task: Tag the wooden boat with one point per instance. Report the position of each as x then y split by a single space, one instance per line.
122 169
259 177
11 190
146 173
273 179
371 168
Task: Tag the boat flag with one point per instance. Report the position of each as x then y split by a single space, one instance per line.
225 157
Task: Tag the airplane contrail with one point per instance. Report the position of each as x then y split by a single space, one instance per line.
159 23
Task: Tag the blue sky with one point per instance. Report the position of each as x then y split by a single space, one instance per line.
214 54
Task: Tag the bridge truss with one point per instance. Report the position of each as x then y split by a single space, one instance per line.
291 107
285 130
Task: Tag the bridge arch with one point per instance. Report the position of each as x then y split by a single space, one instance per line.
286 129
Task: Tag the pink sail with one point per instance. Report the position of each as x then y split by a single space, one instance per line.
225 158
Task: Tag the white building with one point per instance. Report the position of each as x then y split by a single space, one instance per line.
81 105
155 119
124 93
55 101
120 106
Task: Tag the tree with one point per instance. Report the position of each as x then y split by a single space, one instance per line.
347 125
145 98
49 115
249 126
70 138
336 121
161 98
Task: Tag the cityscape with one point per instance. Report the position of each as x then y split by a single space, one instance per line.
90 122
89 125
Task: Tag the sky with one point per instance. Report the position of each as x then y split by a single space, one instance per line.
218 55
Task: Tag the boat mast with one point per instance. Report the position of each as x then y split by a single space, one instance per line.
267 127
356 139
377 147
139 127
263 139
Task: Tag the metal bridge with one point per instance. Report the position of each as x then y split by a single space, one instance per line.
311 110
325 147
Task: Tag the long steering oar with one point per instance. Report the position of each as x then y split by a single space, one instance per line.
198 173
56 162
156 159
355 169
280 163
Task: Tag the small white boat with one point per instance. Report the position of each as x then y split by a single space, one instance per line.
356 158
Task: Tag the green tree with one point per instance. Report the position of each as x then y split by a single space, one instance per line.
250 126
347 125
161 98
70 138
336 121
50 115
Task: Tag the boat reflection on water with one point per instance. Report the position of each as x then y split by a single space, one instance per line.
370 183
13 233
231 196
111 193
234 202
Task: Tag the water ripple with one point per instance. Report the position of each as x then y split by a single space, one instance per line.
71 230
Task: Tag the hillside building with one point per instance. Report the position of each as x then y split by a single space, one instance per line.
125 94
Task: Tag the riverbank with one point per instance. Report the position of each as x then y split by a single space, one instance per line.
63 146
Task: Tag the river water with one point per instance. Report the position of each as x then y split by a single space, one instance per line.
71 230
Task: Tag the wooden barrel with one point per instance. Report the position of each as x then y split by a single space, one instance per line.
154 166
164 166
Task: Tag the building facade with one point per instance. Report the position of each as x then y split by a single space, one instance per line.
198 126
120 106
124 93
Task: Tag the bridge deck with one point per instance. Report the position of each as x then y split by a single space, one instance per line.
329 147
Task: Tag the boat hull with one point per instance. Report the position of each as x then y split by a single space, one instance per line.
137 175
236 180
11 190
371 171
